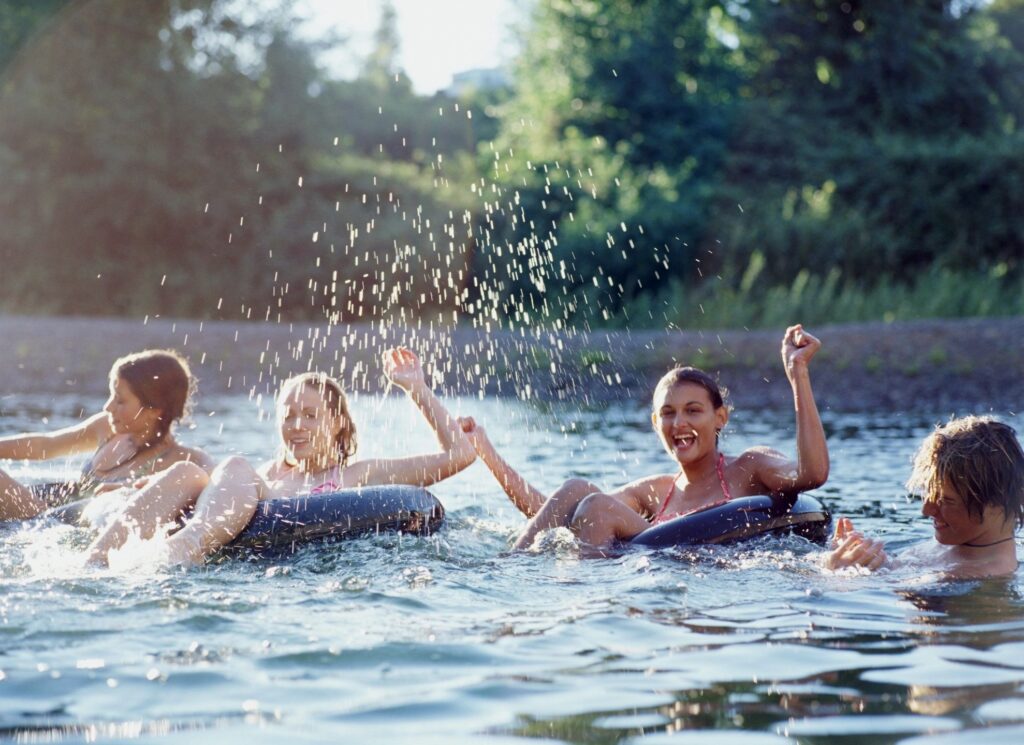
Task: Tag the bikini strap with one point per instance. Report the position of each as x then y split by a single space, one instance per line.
720 467
664 504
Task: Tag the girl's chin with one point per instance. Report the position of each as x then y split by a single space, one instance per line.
687 455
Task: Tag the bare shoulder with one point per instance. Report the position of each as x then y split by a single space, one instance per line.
762 470
362 473
647 483
981 569
759 458
645 492
760 454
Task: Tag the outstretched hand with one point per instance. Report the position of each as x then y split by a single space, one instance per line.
798 347
851 548
402 367
474 432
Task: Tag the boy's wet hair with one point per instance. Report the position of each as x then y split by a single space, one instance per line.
160 379
981 458
679 375
337 403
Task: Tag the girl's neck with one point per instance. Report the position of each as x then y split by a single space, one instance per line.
150 442
702 468
312 466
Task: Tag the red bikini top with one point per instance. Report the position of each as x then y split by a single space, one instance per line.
720 469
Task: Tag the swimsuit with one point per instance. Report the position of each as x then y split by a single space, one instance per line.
329 485
720 469
332 482
86 486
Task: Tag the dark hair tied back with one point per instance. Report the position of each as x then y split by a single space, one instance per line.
160 379
680 375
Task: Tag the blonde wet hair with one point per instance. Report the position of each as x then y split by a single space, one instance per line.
981 458
337 403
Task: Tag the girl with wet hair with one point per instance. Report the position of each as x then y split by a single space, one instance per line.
317 442
970 476
131 437
689 413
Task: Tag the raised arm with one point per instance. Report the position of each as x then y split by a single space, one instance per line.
403 368
87 435
812 466
524 496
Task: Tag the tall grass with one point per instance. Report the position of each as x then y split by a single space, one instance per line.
816 299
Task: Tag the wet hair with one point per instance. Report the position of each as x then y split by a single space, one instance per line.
161 380
981 458
334 396
680 375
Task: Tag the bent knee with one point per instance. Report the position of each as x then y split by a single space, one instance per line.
185 471
579 487
234 466
594 504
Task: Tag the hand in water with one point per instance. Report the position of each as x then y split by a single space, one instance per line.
798 347
402 367
851 548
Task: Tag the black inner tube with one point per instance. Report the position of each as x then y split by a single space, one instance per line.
287 522
742 518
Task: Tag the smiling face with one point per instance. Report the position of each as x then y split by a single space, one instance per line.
688 421
308 427
127 414
954 524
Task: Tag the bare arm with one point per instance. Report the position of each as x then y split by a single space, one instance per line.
81 437
524 495
403 368
812 464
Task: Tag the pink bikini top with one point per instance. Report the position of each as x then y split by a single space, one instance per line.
332 483
720 469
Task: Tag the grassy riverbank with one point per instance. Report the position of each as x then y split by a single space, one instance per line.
962 365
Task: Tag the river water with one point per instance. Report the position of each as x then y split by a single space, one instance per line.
450 639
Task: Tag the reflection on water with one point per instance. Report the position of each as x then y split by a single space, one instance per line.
449 639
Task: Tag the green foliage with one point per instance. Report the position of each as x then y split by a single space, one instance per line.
818 299
654 146
170 158
20 20
686 162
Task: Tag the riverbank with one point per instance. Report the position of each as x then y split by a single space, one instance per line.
955 365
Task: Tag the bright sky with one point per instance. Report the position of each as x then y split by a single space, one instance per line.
438 37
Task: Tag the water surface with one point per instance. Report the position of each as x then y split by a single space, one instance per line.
449 639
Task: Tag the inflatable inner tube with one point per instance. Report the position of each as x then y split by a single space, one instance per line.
742 518
283 524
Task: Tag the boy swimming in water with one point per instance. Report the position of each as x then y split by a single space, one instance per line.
970 473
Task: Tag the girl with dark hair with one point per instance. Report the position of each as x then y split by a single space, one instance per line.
132 437
317 440
689 413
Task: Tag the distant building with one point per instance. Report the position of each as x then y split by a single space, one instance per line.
482 78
